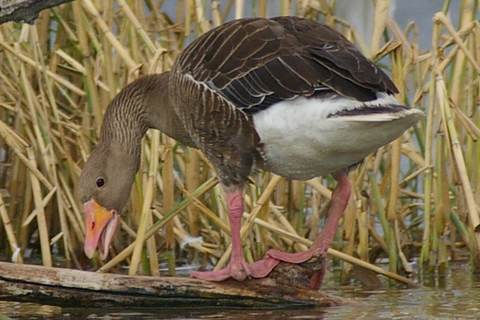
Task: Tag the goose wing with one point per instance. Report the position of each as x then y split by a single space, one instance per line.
256 62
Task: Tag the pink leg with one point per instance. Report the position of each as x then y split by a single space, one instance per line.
340 197
237 268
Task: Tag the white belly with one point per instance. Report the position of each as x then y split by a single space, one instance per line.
301 142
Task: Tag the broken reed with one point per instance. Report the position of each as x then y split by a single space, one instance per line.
416 197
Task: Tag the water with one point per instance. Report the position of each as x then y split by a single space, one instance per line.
457 298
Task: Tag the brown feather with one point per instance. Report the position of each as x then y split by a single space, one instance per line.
316 57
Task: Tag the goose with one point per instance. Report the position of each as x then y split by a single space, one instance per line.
285 94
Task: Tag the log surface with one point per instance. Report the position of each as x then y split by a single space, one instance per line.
27 10
74 288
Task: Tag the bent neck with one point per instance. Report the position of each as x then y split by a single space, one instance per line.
125 121
141 105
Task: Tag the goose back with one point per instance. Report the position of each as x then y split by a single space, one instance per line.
256 62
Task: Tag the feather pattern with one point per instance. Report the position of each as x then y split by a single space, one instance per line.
254 63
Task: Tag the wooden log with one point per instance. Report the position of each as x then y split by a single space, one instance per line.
74 288
27 10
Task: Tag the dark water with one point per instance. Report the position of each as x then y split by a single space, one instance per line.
458 298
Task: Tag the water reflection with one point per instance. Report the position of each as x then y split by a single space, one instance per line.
457 296
28 310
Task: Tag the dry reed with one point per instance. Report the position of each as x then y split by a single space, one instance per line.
415 198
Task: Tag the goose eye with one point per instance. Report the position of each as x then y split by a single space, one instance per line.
100 182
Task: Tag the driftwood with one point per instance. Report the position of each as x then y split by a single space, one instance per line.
74 288
27 10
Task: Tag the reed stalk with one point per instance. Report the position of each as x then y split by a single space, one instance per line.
147 203
168 204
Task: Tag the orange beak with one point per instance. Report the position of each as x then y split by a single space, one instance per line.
100 226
